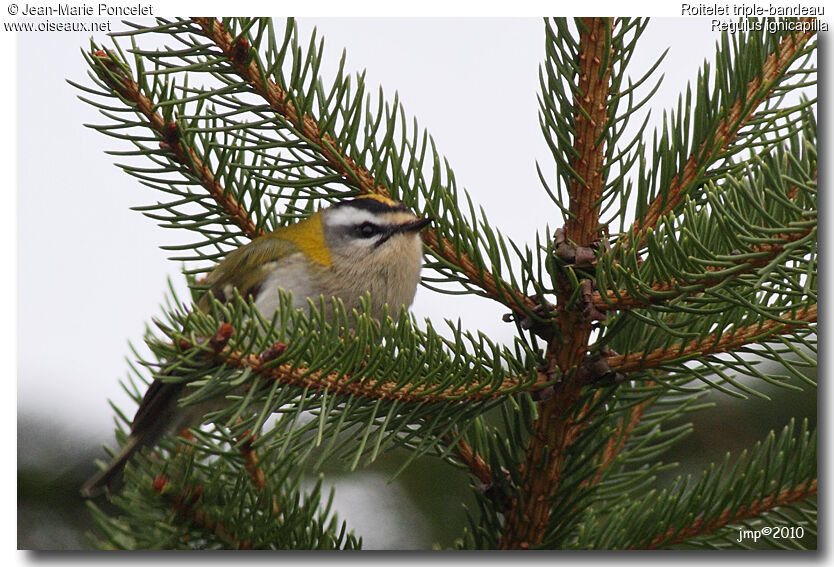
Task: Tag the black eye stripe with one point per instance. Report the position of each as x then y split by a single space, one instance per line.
367 230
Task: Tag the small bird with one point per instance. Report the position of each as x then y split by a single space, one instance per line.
367 244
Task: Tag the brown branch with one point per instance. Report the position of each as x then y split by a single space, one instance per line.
558 424
289 374
247 67
724 135
756 508
729 340
253 465
351 172
509 296
117 79
618 440
185 505
345 384
251 460
477 466
619 300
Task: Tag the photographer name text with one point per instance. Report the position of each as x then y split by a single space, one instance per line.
100 10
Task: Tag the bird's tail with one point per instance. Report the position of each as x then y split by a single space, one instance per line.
110 478
157 415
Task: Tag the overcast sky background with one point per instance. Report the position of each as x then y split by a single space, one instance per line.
90 271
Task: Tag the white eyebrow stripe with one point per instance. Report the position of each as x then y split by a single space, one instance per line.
349 216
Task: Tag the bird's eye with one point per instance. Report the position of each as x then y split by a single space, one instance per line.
367 230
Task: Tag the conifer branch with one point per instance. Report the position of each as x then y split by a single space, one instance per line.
477 466
619 438
338 383
556 428
237 51
253 465
756 508
117 78
724 134
251 460
184 505
714 344
662 292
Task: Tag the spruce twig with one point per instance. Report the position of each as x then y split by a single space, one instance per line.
726 341
700 527
723 136
290 374
128 89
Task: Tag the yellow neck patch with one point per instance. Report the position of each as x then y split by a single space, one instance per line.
308 236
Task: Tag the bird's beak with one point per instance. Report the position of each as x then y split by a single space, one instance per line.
415 226
409 227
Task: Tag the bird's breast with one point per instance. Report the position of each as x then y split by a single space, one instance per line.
291 274
391 279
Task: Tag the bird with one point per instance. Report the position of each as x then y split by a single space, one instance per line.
367 244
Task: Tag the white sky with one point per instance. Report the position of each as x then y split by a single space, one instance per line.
90 271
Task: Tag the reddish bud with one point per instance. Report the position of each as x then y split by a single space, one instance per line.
240 50
171 133
159 483
273 352
221 337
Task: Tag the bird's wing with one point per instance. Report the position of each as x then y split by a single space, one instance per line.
236 271
158 413
159 400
